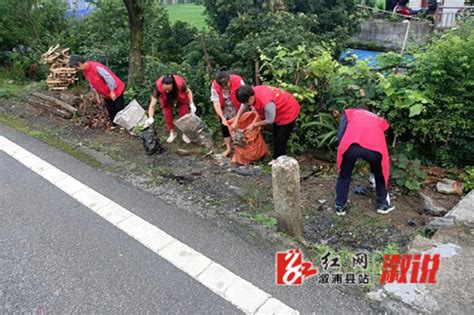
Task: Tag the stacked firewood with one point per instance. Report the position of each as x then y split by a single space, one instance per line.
62 104
60 75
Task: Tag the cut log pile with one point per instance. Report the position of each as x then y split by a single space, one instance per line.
62 106
66 105
60 75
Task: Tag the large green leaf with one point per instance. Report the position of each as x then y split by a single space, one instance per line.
416 110
412 184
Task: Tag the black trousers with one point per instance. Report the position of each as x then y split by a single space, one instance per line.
113 107
349 159
281 134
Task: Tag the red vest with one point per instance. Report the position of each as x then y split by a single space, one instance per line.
403 10
235 82
98 83
182 97
287 107
368 130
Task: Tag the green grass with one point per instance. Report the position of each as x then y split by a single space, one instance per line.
48 137
9 88
188 12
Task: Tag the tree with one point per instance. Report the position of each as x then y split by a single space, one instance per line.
135 13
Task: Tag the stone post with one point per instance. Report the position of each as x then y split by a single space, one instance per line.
286 195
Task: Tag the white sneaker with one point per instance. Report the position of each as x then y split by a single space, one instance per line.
186 139
172 136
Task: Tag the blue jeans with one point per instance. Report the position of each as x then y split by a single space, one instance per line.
349 159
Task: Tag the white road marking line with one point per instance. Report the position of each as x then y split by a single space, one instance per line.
217 278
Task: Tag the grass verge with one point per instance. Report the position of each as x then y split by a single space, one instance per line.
48 137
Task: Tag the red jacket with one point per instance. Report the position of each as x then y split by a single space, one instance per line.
98 83
368 130
182 97
287 107
235 82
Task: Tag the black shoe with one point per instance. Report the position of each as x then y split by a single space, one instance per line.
384 209
340 210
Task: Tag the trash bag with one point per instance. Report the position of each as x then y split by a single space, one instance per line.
131 116
150 142
250 145
195 129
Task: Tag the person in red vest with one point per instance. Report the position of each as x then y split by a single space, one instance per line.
169 89
362 135
274 106
106 84
223 96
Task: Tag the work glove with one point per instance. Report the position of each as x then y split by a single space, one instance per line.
149 122
193 108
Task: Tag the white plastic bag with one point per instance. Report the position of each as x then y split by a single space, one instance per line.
195 129
131 116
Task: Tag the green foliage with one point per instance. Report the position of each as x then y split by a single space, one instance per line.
8 87
220 13
429 106
468 179
30 24
264 220
27 28
248 35
102 36
444 70
337 20
407 173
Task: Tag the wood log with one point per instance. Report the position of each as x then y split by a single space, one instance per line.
63 70
51 109
70 98
57 102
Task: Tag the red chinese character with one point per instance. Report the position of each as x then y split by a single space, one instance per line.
396 268
390 268
291 269
427 272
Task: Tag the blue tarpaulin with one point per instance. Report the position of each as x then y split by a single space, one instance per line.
79 8
370 56
367 55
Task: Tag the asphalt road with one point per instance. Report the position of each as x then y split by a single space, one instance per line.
57 256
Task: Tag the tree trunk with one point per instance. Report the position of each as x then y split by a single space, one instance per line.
134 55
206 56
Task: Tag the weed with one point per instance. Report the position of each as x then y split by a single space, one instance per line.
264 220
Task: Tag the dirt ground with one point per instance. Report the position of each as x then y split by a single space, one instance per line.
196 180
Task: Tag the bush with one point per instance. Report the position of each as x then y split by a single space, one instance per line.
407 173
429 106
32 24
468 179
102 36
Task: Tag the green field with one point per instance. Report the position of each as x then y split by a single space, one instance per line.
188 12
